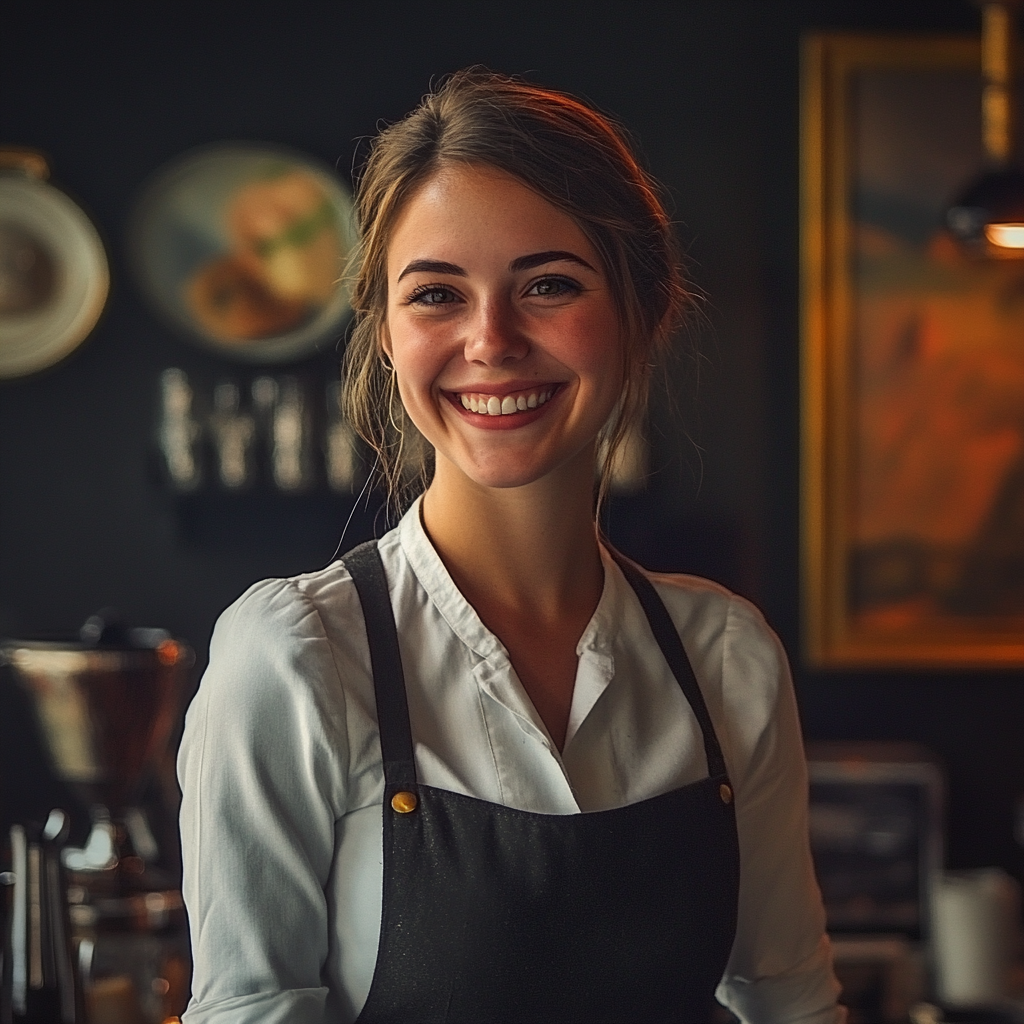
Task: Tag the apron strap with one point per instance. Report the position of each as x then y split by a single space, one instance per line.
367 571
667 635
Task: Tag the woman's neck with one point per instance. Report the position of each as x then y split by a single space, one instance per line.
527 559
528 550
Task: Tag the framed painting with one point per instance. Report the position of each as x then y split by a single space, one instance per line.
913 368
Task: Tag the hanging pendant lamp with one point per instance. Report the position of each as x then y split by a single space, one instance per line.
988 216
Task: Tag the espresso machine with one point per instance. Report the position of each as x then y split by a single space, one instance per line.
100 709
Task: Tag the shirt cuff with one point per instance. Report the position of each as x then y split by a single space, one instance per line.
296 1006
806 994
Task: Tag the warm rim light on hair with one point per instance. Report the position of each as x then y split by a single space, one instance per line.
1008 236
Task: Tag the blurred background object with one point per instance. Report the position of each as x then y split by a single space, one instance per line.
179 432
905 930
272 435
40 982
242 247
977 937
876 820
877 836
53 267
340 445
914 371
988 215
233 433
103 707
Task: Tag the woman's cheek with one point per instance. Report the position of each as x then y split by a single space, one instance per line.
417 355
591 344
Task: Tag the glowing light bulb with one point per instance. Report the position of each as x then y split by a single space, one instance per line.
1008 236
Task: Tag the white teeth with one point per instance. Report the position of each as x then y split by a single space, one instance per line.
491 405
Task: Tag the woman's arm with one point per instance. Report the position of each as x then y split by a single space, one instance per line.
262 766
780 970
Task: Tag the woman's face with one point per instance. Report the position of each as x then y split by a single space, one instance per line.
501 327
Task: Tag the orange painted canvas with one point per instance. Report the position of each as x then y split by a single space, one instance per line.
913 406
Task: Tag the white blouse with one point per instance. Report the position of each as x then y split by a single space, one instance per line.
280 766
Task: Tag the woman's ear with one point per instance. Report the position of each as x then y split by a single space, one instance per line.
384 339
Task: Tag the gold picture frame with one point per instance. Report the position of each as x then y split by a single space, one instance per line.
912 369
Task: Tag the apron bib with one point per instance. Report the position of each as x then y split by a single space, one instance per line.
493 914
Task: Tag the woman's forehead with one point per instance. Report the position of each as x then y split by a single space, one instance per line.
479 211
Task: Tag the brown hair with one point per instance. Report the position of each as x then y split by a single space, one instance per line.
570 155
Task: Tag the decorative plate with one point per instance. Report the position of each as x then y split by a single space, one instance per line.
53 270
243 246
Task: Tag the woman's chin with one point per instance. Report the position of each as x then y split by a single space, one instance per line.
508 473
505 479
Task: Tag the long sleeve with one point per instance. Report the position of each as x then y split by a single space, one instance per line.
780 971
262 766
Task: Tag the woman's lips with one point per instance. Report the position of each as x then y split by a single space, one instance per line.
510 408
505 405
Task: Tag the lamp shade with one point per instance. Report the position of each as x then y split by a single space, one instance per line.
991 210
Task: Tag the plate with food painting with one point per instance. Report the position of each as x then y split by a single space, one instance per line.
242 246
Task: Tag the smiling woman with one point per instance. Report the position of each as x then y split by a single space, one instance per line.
486 768
581 166
518 309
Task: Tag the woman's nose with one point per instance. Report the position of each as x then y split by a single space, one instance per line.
494 336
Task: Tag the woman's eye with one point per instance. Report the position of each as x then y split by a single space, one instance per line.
432 295
554 287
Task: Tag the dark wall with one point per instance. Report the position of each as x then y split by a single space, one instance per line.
709 87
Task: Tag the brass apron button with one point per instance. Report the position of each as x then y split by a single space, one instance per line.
723 791
404 801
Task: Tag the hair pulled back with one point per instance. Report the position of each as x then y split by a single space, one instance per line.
570 155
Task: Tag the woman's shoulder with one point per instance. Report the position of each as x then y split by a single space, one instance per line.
275 608
693 599
270 713
285 635
724 631
319 605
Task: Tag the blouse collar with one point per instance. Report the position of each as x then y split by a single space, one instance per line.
595 647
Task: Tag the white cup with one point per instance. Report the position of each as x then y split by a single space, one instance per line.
975 925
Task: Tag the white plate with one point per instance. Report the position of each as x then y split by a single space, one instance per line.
53 275
242 247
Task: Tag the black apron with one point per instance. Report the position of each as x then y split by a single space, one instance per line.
495 914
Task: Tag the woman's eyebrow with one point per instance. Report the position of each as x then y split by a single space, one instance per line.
432 267
538 259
